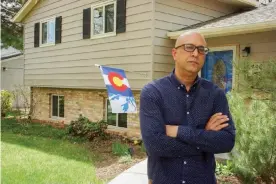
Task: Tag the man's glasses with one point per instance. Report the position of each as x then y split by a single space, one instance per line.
191 48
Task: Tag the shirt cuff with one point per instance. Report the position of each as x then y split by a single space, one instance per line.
186 134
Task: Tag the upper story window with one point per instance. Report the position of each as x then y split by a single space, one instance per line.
47 34
103 19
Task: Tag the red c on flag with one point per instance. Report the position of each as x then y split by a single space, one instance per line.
116 81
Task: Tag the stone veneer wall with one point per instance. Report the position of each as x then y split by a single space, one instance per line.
91 103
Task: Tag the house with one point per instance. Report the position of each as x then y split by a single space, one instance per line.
63 40
12 72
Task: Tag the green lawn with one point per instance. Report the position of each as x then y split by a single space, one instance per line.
40 154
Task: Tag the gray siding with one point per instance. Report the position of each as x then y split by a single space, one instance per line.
13 78
263 45
176 14
71 63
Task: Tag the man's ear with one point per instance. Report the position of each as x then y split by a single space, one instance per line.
174 53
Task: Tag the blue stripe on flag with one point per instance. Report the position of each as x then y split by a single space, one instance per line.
106 70
113 91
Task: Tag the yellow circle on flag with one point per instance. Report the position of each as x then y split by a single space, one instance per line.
117 81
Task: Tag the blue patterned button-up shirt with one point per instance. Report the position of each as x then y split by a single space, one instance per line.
188 158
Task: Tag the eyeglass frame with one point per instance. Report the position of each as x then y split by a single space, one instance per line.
196 47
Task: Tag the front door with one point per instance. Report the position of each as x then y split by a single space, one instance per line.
218 67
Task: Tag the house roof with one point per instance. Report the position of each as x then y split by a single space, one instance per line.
244 3
23 12
30 4
262 18
9 52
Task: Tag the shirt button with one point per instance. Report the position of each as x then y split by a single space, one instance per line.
181 85
178 88
188 112
183 181
197 147
187 95
185 162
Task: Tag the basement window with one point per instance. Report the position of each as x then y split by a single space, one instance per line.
57 106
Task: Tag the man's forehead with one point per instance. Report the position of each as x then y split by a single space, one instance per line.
192 38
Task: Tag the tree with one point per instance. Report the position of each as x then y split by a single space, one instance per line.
11 33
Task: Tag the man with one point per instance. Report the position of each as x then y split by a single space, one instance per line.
185 119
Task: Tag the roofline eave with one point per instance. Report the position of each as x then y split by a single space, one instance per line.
229 30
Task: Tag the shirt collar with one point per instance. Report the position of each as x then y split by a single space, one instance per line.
178 84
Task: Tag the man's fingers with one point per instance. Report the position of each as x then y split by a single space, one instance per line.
214 118
218 121
221 126
217 118
215 115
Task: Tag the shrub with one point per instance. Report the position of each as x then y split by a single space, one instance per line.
224 169
83 127
255 148
120 149
6 102
143 148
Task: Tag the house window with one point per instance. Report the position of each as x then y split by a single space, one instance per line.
47 33
103 19
57 106
114 119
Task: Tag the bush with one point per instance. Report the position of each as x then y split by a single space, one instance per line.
143 148
120 149
83 127
224 169
6 102
255 149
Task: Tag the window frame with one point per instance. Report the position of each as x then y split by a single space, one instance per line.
103 4
117 117
56 117
234 48
40 32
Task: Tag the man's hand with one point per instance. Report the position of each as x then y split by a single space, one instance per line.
217 122
171 130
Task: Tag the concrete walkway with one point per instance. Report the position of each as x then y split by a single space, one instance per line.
137 174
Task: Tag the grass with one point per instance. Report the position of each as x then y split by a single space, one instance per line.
34 153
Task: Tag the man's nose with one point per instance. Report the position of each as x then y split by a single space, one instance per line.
195 53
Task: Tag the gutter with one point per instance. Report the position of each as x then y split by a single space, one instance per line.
11 56
27 7
229 30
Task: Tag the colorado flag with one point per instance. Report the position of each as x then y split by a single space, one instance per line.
119 92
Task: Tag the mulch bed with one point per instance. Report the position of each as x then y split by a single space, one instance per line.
228 180
108 166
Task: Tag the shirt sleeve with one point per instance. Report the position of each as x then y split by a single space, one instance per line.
153 131
212 141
